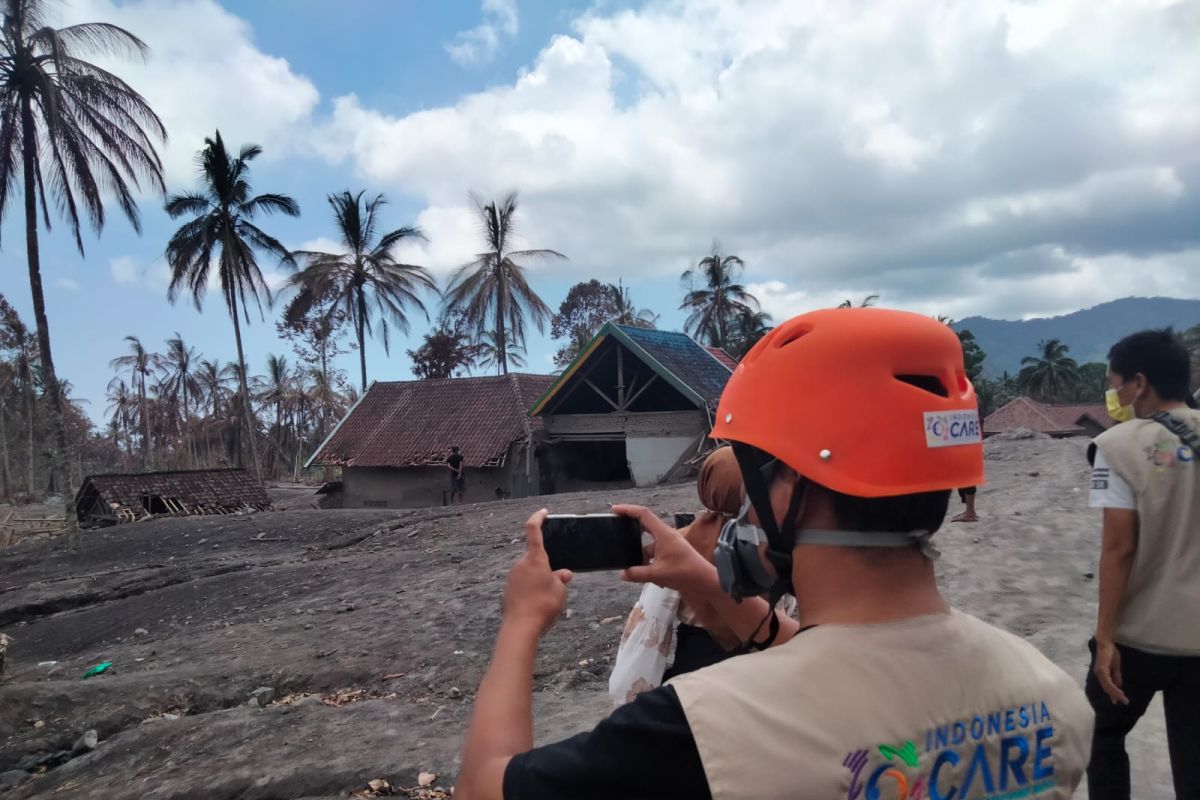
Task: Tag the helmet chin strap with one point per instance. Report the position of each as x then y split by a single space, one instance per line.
780 538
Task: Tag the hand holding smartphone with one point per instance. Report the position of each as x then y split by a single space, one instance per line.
592 542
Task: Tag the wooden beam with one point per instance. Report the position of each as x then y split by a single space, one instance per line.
598 391
620 378
645 386
581 377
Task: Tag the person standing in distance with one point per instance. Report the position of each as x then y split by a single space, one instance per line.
1146 479
850 427
458 480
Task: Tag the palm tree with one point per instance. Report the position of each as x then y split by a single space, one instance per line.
77 133
179 365
220 233
214 388
138 363
629 314
869 301
1051 374
749 327
492 289
366 279
324 395
122 411
487 353
274 389
25 351
717 304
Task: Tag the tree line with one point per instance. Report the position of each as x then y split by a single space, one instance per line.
76 139
1051 375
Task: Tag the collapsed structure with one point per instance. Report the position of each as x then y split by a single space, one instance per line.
114 498
1088 419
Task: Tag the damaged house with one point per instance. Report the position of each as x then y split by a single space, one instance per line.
393 444
635 407
114 498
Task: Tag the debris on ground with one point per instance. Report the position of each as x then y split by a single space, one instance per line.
99 669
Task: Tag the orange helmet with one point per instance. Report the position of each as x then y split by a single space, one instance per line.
865 401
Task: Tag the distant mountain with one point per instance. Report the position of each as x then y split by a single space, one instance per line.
1089 333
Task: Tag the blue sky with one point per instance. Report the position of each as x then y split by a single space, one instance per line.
1005 159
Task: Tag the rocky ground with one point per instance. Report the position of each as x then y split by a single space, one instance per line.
304 653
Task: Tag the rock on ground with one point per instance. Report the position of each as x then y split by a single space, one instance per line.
362 623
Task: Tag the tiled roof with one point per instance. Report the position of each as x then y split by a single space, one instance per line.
694 366
1025 412
723 357
415 423
698 373
127 495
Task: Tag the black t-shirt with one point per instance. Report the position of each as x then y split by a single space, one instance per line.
455 461
644 749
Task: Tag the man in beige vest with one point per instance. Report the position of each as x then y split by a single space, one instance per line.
851 427
1148 626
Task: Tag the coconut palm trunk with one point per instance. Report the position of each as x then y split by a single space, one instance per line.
30 406
360 331
501 312
7 475
244 389
49 378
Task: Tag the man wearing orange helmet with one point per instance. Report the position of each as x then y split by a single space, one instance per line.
851 427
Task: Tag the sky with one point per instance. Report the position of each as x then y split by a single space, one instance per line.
1002 158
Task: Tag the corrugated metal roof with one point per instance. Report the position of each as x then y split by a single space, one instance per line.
415 423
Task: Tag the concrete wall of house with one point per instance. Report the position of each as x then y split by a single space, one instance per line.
654 441
419 487
651 457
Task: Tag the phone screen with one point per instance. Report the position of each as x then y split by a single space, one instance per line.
589 542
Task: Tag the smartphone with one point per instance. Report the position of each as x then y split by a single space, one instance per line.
591 542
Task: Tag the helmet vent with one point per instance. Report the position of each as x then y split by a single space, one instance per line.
929 383
796 332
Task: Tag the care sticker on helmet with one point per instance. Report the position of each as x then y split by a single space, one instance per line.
951 428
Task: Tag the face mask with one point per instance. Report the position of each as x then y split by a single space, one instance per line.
1115 410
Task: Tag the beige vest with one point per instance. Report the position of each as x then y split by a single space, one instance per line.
943 707
1160 611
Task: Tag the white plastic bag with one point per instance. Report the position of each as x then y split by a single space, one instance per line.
645 644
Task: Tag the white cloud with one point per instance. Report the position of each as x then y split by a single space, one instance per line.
70 284
204 73
128 271
481 43
124 270
936 154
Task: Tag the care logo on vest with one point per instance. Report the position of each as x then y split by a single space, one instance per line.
1003 755
952 428
1165 455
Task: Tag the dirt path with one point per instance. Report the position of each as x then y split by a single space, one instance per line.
372 629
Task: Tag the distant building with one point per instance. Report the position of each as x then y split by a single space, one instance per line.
633 409
1055 420
393 444
114 498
